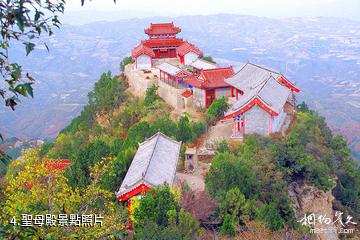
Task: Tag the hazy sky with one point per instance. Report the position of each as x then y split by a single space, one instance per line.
268 8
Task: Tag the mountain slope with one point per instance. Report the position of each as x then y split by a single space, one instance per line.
320 54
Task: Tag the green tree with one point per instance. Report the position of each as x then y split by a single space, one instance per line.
208 58
108 92
227 227
271 217
234 205
184 129
217 109
154 206
228 171
79 173
151 95
117 169
222 146
33 188
125 61
24 22
303 107
198 129
4 161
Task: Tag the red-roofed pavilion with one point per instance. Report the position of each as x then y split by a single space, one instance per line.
212 82
163 43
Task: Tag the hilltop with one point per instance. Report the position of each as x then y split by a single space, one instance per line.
324 67
103 139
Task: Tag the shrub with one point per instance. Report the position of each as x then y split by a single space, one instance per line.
222 146
184 129
198 129
228 228
217 109
151 95
208 58
126 61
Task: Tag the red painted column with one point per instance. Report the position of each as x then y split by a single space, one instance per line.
237 94
234 127
244 125
205 98
270 123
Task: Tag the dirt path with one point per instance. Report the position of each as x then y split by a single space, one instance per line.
195 182
221 131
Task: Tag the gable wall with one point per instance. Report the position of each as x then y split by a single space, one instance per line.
257 121
143 62
222 92
190 57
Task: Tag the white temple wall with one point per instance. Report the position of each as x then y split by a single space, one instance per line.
190 57
199 97
257 121
277 121
222 92
143 62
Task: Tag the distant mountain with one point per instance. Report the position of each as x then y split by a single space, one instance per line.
13 146
322 55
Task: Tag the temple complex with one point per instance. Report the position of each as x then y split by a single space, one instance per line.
261 100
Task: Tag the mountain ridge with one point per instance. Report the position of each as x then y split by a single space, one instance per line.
311 52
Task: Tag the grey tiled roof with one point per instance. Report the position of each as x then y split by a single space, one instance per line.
250 76
202 64
270 91
154 163
169 68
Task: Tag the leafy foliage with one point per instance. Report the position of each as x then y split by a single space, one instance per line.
151 95
159 216
201 206
25 22
217 109
248 181
4 162
208 58
228 228
128 121
222 146
184 129
126 61
33 188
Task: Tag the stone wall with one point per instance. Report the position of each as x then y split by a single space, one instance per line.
143 62
199 97
138 81
171 95
257 121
